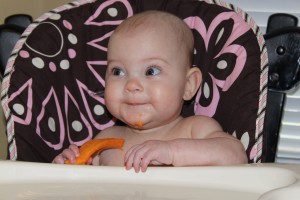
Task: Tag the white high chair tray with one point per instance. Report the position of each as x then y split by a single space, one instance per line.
24 181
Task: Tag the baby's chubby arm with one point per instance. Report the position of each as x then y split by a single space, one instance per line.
208 145
151 152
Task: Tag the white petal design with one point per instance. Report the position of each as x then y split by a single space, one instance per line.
245 140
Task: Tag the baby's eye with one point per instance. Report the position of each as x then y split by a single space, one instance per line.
117 72
152 71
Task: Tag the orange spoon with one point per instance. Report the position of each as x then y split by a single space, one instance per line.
93 146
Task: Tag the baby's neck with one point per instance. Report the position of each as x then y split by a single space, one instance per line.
160 130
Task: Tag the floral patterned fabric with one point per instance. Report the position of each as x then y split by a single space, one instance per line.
52 79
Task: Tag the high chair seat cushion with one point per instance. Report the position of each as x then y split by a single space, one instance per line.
56 71
3 140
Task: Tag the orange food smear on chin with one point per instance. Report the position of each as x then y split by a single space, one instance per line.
138 124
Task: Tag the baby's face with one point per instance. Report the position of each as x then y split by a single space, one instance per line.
145 78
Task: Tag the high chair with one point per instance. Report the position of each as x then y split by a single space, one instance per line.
9 35
58 66
283 44
22 20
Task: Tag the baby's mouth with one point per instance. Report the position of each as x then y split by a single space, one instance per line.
135 104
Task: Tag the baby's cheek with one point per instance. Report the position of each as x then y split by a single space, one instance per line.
111 107
110 98
167 97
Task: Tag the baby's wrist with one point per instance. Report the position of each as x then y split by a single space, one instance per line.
173 151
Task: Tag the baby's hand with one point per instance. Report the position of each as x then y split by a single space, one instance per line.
68 154
152 152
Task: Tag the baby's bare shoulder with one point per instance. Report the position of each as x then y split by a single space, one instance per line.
201 120
202 126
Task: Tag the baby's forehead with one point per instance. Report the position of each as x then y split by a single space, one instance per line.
162 25
153 20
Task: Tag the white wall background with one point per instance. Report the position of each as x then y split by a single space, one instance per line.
33 7
289 141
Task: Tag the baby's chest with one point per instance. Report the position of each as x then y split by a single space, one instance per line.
115 157
110 157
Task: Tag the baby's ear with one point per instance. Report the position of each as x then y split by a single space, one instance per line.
193 81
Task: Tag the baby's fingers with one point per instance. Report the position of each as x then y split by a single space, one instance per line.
69 154
66 154
130 156
137 159
59 159
75 149
90 161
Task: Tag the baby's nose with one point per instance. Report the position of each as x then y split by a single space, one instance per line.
134 85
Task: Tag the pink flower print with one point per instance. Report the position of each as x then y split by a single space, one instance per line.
222 58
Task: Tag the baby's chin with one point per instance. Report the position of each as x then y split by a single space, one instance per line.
136 124
133 119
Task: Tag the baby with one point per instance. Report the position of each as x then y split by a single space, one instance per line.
148 78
